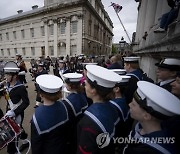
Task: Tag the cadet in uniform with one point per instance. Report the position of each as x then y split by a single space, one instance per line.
49 126
173 124
101 116
115 62
151 105
176 85
40 71
23 70
61 69
131 65
76 103
166 72
18 100
1 94
119 102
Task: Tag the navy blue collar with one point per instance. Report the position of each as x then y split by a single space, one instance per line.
136 73
104 115
78 102
122 107
47 118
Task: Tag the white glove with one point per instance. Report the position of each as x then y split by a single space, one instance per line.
10 113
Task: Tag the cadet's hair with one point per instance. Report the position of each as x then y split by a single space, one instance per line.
52 97
134 65
76 86
105 93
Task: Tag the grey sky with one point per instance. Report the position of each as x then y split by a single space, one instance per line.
128 14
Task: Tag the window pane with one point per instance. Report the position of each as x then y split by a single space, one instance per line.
15 51
32 51
2 52
51 50
51 29
14 34
42 31
74 50
74 27
22 33
0 37
8 51
7 36
32 32
24 51
62 28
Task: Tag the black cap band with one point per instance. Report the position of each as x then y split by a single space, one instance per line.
148 109
95 85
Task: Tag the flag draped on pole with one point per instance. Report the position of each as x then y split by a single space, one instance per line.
116 7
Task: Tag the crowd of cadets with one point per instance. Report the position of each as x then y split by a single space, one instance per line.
102 96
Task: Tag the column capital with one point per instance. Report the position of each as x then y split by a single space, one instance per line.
80 16
68 18
45 20
55 20
61 19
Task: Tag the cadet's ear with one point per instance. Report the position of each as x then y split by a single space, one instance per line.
128 65
147 116
173 73
93 91
116 89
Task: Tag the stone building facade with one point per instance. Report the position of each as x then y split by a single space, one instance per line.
59 28
155 46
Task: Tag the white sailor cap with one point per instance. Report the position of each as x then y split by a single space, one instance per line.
84 64
169 63
102 76
125 78
80 58
49 83
119 71
41 64
19 55
159 99
61 61
11 67
131 59
72 77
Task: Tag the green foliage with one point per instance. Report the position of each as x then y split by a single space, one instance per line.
114 50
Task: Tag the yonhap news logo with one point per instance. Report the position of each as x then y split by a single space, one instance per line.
103 140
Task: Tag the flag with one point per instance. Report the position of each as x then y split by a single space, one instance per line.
116 7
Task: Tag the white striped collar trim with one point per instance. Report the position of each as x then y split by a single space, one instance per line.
96 120
75 113
131 74
124 118
52 128
154 145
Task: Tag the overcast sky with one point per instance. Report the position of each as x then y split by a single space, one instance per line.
128 14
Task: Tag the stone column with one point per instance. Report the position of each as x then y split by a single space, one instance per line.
68 35
138 26
158 11
93 3
79 34
46 38
150 14
142 16
165 7
55 37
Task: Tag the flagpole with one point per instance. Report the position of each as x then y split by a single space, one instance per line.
123 27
